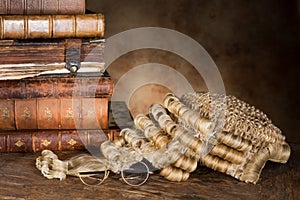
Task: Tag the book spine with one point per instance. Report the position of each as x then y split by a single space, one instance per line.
21 7
51 26
54 113
55 140
19 52
56 87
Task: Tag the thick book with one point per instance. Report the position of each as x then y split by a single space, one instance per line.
58 86
57 140
51 26
54 113
55 102
20 59
21 7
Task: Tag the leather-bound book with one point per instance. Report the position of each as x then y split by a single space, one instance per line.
20 59
56 140
54 113
58 86
74 139
20 7
55 102
51 26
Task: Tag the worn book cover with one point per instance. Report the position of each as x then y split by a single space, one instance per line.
51 26
20 59
74 139
56 140
21 7
55 102
58 86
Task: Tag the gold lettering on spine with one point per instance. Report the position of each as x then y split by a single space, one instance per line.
48 114
26 114
19 143
46 142
72 142
5 114
69 115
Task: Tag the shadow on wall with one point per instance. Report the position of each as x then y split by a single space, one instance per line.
255 44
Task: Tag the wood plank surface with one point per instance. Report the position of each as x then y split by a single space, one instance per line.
19 179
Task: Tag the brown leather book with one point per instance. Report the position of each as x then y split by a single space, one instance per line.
19 59
58 86
20 7
54 113
38 140
55 102
51 26
56 140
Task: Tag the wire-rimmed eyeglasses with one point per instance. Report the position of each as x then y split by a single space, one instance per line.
136 175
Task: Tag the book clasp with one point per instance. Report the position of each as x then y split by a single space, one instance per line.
73 53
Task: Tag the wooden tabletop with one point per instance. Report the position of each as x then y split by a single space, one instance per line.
19 179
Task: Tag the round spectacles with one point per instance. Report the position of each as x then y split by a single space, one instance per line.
93 178
137 174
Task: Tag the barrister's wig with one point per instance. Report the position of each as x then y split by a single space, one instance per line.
219 132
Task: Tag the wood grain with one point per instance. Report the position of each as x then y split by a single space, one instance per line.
21 180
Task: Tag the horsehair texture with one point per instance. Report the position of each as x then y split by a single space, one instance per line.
246 140
217 131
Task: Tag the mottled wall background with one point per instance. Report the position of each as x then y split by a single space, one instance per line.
255 44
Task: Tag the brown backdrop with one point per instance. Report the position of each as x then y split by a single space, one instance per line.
255 45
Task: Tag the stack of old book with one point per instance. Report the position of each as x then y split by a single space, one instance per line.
54 88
